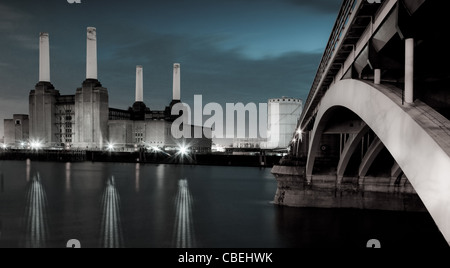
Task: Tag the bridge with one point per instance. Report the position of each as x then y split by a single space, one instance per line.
375 130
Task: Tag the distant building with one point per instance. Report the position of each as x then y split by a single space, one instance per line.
248 143
86 121
283 116
16 130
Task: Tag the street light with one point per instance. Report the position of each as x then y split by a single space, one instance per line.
156 149
110 146
183 150
300 133
35 145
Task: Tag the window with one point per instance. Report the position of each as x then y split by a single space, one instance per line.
18 122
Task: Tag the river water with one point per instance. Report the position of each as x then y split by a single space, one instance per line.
45 204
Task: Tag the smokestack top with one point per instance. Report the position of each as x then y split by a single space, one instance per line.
176 65
43 34
92 31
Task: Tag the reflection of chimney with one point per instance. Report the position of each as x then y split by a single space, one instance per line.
176 81
91 54
139 84
44 58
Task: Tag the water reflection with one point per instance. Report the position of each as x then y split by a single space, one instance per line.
27 170
160 175
36 233
138 176
184 236
68 171
111 229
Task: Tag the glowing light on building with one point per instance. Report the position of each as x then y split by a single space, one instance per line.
110 146
35 145
155 149
183 150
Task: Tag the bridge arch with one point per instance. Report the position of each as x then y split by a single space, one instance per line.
417 137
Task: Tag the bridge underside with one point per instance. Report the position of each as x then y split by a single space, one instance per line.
378 153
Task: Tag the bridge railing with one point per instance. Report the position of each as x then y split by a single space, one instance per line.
342 20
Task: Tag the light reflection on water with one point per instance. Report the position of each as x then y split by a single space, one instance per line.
36 226
28 169
68 171
138 176
111 228
184 236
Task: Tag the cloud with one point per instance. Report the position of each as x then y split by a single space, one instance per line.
25 41
12 22
10 18
325 6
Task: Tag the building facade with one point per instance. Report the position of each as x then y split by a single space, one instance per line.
16 130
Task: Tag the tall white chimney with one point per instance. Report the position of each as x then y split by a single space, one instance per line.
91 54
44 58
139 84
176 81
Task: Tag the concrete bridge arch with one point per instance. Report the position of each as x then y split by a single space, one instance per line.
417 137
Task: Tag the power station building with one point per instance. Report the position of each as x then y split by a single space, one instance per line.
85 120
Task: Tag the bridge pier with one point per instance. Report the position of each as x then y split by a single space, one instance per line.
377 75
328 191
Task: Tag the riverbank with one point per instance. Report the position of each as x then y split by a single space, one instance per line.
212 159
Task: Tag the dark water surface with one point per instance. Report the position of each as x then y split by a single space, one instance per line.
45 204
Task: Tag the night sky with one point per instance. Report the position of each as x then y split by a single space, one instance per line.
229 50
